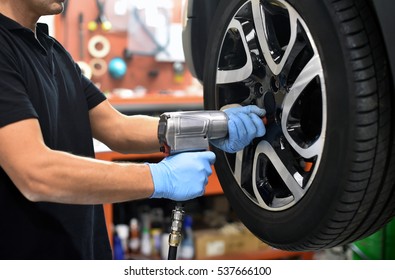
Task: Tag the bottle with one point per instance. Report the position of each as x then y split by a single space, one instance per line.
146 247
118 250
156 231
122 231
134 240
187 246
156 234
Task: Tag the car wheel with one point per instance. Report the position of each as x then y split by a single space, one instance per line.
323 175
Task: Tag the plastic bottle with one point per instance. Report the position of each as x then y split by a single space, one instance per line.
157 221
118 250
187 246
156 241
146 247
122 231
134 240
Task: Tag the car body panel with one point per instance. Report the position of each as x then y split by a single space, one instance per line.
385 16
195 33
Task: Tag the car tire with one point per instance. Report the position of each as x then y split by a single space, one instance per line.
347 108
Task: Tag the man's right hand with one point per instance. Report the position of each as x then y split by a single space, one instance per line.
183 176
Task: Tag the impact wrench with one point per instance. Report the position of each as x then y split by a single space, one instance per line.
180 132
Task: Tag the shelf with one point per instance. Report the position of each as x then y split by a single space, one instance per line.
157 98
268 254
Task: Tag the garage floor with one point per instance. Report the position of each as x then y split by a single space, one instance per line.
336 253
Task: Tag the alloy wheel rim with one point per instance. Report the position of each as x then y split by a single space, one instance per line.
268 58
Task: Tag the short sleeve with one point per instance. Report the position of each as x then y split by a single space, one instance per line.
15 104
93 95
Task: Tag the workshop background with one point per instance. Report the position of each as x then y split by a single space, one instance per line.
132 51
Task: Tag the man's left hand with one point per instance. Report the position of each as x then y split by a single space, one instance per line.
245 124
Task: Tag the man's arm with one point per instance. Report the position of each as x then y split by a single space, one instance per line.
125 134
42 174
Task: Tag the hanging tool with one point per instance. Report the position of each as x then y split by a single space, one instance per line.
180 132
65 23
85 68
101 19
81 35
65 6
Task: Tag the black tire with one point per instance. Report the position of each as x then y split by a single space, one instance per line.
348 194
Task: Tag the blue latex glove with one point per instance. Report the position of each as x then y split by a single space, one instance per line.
183 176
244 125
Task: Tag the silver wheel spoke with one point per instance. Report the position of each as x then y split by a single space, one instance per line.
238 166
289 179
240 74
275 64
310 71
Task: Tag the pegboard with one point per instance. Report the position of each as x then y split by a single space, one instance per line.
71 29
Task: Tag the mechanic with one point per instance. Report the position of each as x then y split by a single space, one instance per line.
51 187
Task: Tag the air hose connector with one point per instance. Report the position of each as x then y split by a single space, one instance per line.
177 219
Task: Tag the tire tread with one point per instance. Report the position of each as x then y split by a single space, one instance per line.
367 201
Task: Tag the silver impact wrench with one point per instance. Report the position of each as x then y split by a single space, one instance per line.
180 132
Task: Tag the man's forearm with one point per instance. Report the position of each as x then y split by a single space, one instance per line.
65 178
122 133
138 134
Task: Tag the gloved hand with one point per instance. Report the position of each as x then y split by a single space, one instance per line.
244 125
183 176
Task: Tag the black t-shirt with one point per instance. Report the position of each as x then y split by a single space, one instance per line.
39 79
